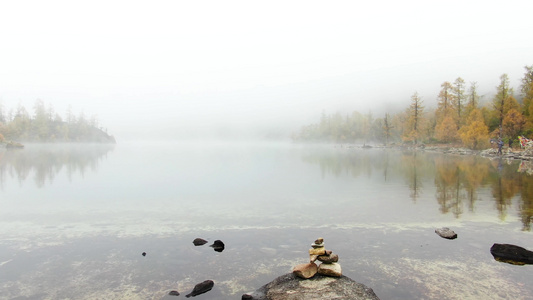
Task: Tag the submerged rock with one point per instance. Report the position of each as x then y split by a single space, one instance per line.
200 288
218 246
174 293
446 233
199 242
511 254
291 287
144 254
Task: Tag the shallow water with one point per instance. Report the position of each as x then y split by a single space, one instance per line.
74 219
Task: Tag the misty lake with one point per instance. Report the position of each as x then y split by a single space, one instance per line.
74 219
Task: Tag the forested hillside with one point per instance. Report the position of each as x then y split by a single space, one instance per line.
47 126
457 116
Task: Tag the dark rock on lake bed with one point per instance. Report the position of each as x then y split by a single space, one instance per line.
218 245
511 254
199 242
174 293
291 287
200 288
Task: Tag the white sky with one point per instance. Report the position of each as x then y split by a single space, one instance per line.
149 68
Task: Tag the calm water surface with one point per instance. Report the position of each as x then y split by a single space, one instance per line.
74 219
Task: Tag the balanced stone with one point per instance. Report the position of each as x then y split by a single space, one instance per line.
333 269
313 258
319 243
328 259
317 251
305 271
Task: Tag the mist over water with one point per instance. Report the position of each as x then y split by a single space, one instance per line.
87 212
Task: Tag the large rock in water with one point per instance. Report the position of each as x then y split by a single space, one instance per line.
446 233
511 254
290 287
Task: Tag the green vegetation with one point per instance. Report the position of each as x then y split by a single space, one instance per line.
459 117
46 126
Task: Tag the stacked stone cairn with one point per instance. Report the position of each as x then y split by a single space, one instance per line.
328 266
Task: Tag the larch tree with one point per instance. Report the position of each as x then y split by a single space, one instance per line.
527 92
475 133
414 119
513 123
459 96
446 130
503 92
40 123
3 118
472 97
529 98
527 80
387 128
444 101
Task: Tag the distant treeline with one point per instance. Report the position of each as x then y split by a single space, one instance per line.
47 126
459 117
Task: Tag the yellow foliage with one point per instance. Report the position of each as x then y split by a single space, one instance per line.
513 123
446 131
475 134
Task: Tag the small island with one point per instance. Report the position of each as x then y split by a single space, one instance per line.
47 126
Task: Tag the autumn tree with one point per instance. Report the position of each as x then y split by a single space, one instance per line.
527 93
444 101
40 123
414 119
2 114
513 123
475 133
20 125
472 98
503 92
527 80
387 128
459 96
446 130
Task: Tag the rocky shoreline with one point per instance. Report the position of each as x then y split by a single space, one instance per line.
491 152
507 153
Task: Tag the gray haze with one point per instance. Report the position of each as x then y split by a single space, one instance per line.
155 69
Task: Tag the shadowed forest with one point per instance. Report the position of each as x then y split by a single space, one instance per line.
461 116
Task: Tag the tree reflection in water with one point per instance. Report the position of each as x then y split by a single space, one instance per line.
45 161
457 179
